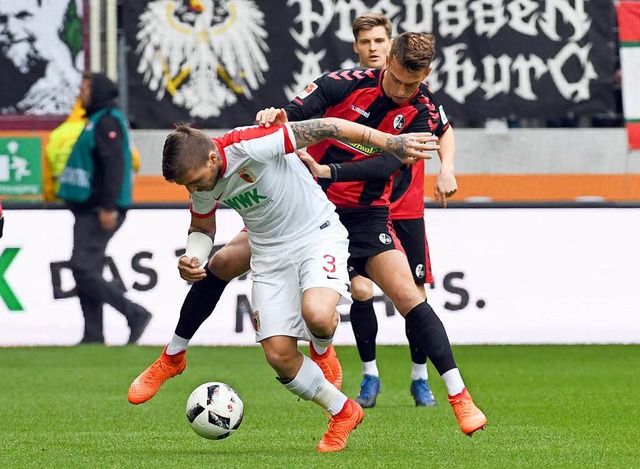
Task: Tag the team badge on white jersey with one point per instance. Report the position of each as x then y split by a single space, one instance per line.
255 320
247 175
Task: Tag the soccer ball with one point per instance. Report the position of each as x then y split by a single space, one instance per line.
214 410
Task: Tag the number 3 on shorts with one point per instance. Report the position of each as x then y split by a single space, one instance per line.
331 263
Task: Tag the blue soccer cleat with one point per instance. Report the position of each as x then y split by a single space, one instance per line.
422 393
369 390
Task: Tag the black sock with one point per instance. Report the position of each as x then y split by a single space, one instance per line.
365 328
199 304
427 331
417 355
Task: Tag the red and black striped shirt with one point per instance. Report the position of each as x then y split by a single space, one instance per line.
357 95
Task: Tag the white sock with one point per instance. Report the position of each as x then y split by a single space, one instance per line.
177 345
453 382
419 371
319 349
311 385
321 345
370 368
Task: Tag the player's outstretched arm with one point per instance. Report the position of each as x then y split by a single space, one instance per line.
414 145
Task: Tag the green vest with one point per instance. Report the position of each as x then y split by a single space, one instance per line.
77 178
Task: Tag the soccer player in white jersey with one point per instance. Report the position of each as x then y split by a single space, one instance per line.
255 171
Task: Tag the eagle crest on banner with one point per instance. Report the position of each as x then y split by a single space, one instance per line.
203 53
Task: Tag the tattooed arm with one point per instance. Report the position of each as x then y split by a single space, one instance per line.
312 131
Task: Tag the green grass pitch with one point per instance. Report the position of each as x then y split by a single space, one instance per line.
547 406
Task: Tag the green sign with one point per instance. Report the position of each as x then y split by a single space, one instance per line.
20 166
6 293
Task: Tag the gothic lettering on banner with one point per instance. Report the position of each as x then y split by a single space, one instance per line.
216 62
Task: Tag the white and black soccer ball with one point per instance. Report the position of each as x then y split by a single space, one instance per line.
214 410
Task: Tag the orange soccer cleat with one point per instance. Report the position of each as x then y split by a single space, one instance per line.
329 364
145 386
470 418
340 426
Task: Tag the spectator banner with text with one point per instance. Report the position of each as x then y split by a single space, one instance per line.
41 56
501 277
215 63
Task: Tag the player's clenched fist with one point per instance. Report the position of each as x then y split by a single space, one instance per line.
190 269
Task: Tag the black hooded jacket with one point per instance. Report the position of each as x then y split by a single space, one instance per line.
108 155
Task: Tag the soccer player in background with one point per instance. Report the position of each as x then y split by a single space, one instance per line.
372 34
294 296
395 100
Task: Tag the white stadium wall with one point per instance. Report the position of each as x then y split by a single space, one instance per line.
503 276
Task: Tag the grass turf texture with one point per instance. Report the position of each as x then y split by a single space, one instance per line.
548 406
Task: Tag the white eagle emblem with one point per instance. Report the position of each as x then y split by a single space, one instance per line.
202 52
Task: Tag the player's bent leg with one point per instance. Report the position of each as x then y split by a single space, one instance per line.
319 312
148 383
233 260
391 272
302 377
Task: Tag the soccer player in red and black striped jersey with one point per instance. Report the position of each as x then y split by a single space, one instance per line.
372 42
392 100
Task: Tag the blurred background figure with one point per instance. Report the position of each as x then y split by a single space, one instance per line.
59 147
99 198
42 39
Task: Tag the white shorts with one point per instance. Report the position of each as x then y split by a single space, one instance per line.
280 278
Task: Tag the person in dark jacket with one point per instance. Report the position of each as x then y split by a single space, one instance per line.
106 139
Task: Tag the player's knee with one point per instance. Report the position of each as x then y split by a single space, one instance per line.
322 323
406 298
280 359
362 290
226 266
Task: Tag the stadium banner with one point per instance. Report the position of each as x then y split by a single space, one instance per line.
502 276
41 56
629 34
215 64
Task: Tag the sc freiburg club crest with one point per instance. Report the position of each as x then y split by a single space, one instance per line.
398 122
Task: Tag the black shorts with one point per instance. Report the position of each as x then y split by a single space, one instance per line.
370 233
412 235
